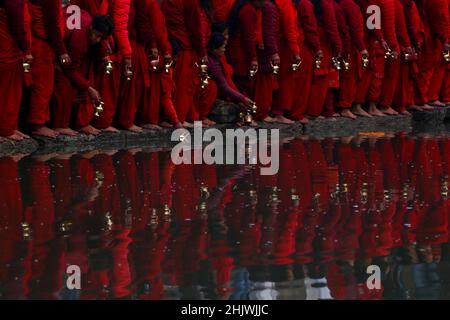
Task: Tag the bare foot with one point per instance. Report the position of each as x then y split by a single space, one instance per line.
15 137
111 130
66 132
336 115
167 125
89 130
178 126
415 108
346 113
376 113
405 113
320 118
269 119
304 121
23 135
187 125
437 104
134 128
208 122
283 120
427 107
389 111
45 132
360 112
151 127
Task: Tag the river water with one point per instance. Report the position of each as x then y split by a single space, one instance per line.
140 227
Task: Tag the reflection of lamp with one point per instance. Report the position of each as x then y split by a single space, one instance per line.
109 67
253 71
204 192
274 194
26 67
346 65
444 189
26 231
129 75
204 76
387 195
446 56
154 217
65 227
364 193
318 62
365 60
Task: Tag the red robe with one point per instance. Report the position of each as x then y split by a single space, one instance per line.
74 80
392 71
288 48
332 46
183 19
309 44
13 46
221 9
349 79
435 17
152 33
47 28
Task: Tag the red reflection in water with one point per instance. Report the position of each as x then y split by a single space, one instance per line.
140 227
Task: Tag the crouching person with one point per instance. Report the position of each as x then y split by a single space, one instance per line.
73 84
221 84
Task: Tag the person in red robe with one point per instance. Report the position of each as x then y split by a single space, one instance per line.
392 72
47 29
246 52
310 50
113 51
14 51
75 80
379 42
183 19
133 89
289 52
152 33
435 17
349 78
332 48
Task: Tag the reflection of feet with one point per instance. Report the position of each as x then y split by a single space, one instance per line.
415 108
269 119
66 132
389 111
135 129
45 132
346 113
23 135
304 121
187 125
207 122
360 112
283 120
167 125
437 104
151 127
111 130
89 130
427 107
405 113
376 113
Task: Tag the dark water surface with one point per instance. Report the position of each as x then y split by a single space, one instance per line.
140 227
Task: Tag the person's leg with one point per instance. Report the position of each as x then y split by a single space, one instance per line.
61 105
184 75
207 98
302 86
11 82
42 72
389 87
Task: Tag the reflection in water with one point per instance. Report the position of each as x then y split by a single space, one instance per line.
140 227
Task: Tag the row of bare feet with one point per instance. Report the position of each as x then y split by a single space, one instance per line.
354 113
